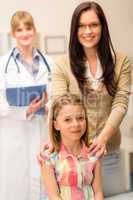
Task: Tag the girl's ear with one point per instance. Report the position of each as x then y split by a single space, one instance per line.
56 125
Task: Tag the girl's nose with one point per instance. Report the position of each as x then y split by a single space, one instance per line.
75 122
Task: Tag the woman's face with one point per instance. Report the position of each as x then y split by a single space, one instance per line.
24 35
89 30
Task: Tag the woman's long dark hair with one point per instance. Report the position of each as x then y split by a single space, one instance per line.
105 49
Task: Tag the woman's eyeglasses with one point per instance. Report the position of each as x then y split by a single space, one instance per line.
92 26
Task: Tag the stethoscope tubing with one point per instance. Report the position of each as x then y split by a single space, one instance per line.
11 56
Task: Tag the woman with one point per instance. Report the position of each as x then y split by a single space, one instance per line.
102 77
24 74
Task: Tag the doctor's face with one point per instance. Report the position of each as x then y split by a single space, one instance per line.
24 35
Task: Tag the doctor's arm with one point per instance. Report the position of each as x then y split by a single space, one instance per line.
4 106
45 101
5 109
36 104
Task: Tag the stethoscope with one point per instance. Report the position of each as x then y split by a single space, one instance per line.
18 68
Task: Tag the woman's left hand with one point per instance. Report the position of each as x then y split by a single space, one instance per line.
98 147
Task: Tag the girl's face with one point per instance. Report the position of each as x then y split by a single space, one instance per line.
24 35
89 30
71 123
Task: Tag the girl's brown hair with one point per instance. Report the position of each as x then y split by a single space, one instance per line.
57 105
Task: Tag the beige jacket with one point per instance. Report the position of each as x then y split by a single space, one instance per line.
101 107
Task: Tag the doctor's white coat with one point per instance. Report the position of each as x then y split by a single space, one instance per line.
20 138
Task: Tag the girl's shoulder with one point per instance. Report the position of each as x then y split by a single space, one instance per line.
92 159
85 154
50 156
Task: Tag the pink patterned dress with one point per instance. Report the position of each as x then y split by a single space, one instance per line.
74 175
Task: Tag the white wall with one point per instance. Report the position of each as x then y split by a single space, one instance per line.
119 14
47 13
53 18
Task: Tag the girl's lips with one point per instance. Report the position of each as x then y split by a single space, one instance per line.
75 132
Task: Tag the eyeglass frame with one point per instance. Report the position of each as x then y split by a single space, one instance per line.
93 26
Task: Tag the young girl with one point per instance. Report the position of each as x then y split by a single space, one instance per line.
69 172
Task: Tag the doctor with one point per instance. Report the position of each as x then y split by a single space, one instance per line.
23 69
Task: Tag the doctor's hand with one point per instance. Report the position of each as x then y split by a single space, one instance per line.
38 103
34 106
45 101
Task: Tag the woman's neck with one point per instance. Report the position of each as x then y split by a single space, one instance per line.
91 56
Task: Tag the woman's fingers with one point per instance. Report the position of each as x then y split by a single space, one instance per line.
40 154
97 148
40 159
102 152
43 148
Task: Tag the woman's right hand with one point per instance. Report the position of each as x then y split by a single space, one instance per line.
44 147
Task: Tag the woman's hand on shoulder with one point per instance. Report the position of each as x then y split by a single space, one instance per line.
47 146
98 147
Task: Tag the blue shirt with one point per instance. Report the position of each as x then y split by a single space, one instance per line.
31 68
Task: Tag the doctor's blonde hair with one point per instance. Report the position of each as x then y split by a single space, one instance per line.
22 16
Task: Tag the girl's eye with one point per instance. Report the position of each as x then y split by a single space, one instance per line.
81 118
67 119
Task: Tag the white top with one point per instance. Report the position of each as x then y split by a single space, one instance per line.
95 80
